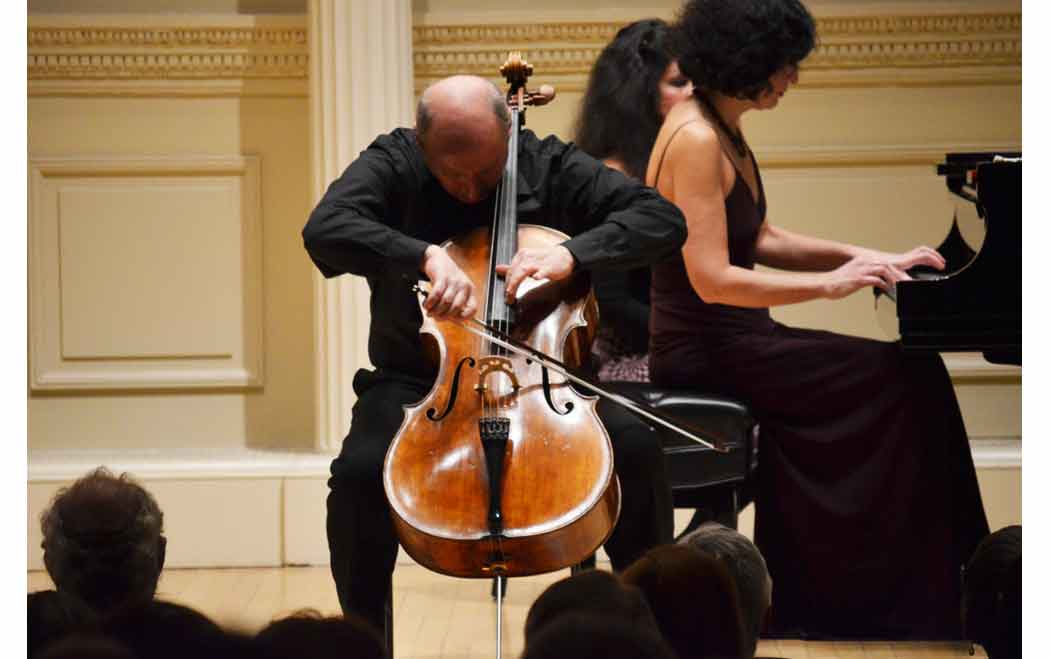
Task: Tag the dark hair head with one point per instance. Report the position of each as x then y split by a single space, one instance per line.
594 592
51 615
693 599
307 633
747 567
620 113
166 630
733 46
85 646
102 541
590 636
991 605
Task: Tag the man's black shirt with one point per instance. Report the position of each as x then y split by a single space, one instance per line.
378 218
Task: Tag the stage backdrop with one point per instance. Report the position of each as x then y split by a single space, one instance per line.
177 328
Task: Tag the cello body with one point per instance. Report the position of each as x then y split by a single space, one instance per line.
558 498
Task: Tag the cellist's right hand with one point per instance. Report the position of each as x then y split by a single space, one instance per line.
451 292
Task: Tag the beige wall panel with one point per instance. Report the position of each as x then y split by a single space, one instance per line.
274 130
146 273
147 256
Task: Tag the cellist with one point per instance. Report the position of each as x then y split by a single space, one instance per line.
385 218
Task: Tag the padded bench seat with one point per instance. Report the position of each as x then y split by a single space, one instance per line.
717 484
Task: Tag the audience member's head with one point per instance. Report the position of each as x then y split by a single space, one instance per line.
591 636
51 615
748 569
694 600
103 541
991 606
309 634
165 630
595 592
80 646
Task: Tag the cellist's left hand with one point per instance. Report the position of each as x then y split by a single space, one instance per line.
553 263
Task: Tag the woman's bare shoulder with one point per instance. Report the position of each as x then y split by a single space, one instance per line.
686 138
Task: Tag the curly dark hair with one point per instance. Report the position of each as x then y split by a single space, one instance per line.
620 113
734 46
103 541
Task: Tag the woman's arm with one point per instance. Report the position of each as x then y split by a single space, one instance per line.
786 250
695 185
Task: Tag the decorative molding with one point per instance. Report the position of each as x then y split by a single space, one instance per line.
126 57
174 463
53 368
891 155
950 49
269 503
996 452
224 56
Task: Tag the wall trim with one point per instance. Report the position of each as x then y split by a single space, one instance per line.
230 55
162 55
61 465
880 155
872 50
272 501
56 466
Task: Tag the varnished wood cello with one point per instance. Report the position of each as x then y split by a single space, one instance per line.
502 470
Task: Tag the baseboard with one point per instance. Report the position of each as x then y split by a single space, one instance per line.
241 507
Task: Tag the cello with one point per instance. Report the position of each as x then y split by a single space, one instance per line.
501 470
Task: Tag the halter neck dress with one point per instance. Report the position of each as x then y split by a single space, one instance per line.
867 503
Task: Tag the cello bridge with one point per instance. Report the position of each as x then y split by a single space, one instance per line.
492 365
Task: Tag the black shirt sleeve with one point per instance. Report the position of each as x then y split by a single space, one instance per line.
621 223
354 228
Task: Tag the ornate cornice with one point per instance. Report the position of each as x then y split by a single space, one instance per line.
960 48
121 57
206 59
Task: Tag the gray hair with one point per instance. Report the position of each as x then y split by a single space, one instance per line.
102 540
425 117
747 567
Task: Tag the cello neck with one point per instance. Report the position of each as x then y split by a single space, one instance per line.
505 229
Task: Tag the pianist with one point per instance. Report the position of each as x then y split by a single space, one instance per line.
867 500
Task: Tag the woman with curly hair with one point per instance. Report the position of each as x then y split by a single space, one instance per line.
867 498
633 85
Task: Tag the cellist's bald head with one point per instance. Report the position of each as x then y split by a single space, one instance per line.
460 109
462 124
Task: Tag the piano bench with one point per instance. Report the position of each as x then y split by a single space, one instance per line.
716 484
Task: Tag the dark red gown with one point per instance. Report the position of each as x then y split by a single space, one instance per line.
867 502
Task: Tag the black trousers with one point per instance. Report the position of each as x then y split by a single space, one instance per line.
361 536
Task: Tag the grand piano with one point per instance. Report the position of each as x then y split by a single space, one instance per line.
974 304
